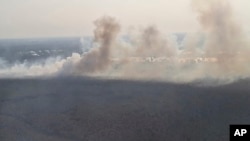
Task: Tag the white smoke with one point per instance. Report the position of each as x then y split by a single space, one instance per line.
51 67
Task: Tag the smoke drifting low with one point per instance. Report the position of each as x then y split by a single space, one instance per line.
149 55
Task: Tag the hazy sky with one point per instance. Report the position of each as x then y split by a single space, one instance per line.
42 18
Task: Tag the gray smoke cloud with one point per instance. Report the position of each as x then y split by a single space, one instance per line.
225 38
99 59
223 55
151 43
218 52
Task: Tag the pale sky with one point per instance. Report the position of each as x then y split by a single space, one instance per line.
51 18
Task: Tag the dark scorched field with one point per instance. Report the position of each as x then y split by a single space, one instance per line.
74 109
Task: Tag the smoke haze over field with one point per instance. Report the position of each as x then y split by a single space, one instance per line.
222 52
145 84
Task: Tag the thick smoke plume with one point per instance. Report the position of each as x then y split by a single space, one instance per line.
225 39
99 59
222 55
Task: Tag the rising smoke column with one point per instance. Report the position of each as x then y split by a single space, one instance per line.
151 43
150 46
225 39
98 59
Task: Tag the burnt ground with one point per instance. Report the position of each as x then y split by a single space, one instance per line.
71 109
